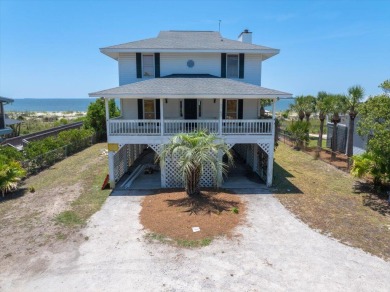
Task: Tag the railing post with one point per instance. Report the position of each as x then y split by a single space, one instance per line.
162 116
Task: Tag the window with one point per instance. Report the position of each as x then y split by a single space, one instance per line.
149 109
231 109
232 66
148 65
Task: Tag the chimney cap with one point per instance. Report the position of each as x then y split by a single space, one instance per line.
245 31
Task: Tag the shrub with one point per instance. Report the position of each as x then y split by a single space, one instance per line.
10 174
299 131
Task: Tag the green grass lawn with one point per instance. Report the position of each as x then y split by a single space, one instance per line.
322 197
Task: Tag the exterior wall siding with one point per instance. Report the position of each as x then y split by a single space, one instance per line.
129 109
250 109
172 63
127 68
175 63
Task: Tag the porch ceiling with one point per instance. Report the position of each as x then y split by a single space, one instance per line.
206 86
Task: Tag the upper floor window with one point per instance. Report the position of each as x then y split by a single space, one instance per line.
232 66
148 65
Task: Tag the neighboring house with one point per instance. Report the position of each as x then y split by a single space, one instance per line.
359 142
186 80
4 129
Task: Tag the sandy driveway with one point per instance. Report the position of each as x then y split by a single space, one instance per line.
276 252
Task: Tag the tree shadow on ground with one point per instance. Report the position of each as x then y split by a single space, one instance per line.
376 201
203 204
281 184
13 195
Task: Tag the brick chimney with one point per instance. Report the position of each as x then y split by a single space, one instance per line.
245 36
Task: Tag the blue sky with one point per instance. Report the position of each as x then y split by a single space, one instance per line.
50 49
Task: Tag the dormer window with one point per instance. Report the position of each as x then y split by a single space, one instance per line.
232 66
148 65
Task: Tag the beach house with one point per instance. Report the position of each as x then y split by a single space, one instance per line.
181 81
4 128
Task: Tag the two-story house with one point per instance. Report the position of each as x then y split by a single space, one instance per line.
180 81
4 129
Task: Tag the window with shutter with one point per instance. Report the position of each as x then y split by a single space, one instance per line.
148 65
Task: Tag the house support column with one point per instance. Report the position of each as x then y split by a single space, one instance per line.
111 169
220 117
270 165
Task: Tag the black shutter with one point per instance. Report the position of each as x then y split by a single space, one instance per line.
157 65
139 65
223 65
223 108
241 64
158 115
240 108
140 109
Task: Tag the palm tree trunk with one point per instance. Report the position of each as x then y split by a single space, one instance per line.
319 142
193 183
350 134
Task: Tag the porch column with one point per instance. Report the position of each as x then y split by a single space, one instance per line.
162 116
111 169
107 117
220 117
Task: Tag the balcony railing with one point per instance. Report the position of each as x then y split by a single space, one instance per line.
120 127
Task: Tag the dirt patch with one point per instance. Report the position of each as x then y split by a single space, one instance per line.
29 229
324 198
173 214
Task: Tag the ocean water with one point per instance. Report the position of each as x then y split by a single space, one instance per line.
49 105
80 105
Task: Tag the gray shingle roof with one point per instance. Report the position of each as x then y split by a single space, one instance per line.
6 99
189 40
208 87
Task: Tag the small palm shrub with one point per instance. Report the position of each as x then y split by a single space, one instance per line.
299 132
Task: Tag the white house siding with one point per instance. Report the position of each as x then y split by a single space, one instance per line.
252 69
172 109
176 63
250 110
210 110
127 68
129 109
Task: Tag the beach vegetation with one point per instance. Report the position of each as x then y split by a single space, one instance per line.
96 116
299 132
374 123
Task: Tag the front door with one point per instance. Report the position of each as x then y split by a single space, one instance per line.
190 109
190 113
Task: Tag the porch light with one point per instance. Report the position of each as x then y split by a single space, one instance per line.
166 100
215 100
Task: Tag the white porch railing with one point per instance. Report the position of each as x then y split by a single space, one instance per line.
247 127
172 127
120 127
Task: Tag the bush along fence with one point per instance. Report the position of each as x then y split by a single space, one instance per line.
336 159
45 160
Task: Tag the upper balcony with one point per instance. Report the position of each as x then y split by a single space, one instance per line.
224 127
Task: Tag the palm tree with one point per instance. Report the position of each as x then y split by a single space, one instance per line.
309 104
355 96
338 106
193 151
323 107
10 174
298 107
